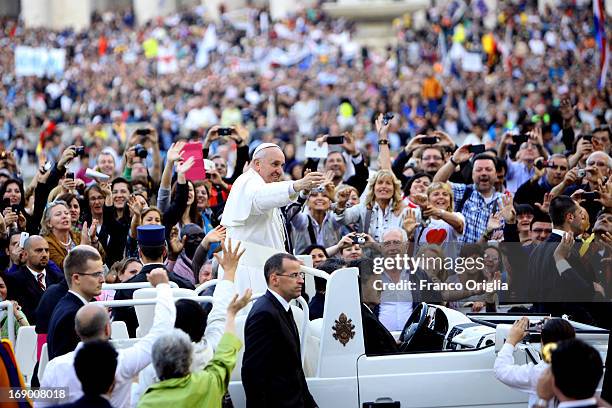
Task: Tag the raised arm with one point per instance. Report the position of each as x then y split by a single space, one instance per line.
461 155
384 151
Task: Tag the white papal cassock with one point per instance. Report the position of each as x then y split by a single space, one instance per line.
252 215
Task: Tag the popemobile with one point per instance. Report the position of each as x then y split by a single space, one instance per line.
446 357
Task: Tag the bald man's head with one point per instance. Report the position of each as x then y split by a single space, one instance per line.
92 323
268 163
37 251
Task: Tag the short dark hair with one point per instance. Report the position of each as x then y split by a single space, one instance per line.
332 152
557 329
366 269
539 217
152 252
311 248
191 318
524 209
95 364
577 369
485 156
121 180
275 264
559 207
414 178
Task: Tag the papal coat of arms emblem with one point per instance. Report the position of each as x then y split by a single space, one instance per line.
343 329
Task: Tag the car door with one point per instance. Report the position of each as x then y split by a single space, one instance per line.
440 379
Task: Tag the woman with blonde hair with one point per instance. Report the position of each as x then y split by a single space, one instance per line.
56 229
440 224
381 210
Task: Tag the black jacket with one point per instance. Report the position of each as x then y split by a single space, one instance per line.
377 338
49 300
128 314
62 337
559 294
88 401
25 290
272 373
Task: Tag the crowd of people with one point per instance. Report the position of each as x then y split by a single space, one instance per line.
506 168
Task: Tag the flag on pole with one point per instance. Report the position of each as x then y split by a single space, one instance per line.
599 14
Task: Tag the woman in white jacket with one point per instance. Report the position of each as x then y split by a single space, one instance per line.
524 377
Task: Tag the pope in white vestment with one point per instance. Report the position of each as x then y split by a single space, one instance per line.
252 213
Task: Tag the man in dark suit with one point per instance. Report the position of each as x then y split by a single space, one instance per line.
30 281
573 376
559 279
378 340
272 373
152 251
95 364
84 272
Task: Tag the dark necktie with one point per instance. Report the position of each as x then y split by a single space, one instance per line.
40 278
292 324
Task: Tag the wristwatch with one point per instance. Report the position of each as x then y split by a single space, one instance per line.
541 403
453 161
383 142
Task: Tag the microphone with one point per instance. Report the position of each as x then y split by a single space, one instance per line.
96 175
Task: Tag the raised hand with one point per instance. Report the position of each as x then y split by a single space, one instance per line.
216 235
134 205
238 304
518 331
176 244
212 135
545 204
349 143
157 276
507 211
229 259
462 154
184 166
310 181
106 189
410 222
565 246
494 222
342 197
175 152
381 128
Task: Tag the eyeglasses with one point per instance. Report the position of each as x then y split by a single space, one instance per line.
54 203
293 275
96 275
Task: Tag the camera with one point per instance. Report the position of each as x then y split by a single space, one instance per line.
388 116
319 189
143 131
358 239
70 176
225 131
141 151
542 164
15 208
80 151
581 173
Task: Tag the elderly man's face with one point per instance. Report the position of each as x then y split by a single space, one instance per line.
270 166
221 166
597 166
106 164
393 243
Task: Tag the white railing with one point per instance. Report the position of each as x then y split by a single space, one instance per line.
201 288
151 301
132 285
8 305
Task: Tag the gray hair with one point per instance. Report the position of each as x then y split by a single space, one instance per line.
90 321
604 153
171 355
396 229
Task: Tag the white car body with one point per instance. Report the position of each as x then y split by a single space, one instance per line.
342 375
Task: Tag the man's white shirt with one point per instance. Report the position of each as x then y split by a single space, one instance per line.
130 361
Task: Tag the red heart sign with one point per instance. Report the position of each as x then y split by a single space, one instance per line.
435 236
